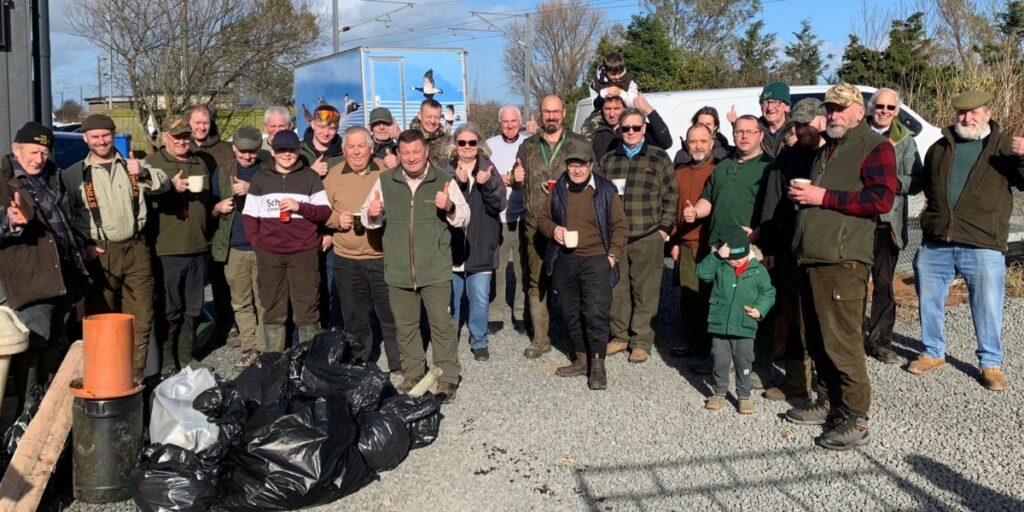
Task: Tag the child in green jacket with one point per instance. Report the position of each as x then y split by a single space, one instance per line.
741 295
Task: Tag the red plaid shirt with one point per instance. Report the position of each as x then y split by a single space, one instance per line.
878 174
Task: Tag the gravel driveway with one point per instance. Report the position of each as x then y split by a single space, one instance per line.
519 438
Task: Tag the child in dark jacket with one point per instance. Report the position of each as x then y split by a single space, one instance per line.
741 296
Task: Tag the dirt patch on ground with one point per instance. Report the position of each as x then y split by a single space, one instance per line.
906 294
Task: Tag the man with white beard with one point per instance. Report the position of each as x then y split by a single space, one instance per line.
967 179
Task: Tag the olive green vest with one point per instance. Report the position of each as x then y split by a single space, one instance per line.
417 243
829 236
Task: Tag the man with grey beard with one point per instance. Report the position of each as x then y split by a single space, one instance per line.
833 241
967 179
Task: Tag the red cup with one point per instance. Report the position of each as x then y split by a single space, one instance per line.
549 184
286 216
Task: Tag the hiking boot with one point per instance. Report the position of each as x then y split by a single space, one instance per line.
715 403
249 356
885 355
576 369
688 352
993 379
817 413
598 376
447 391
746 406
849 430
638 355
537 349
924 364
481 354
495 327
783 393
407 384
519 326
615 346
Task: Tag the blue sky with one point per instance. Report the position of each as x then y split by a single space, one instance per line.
428 23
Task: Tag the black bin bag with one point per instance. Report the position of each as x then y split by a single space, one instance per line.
422 415
173 479
384 440
295 456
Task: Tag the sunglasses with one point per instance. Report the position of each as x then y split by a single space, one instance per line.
890 108
327 116
464 143
627 129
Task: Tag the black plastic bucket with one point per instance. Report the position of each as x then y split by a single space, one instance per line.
107 444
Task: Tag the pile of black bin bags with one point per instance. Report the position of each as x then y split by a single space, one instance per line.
297 429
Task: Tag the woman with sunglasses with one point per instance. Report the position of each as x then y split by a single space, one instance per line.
475 249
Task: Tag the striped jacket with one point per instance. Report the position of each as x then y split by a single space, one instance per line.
262 212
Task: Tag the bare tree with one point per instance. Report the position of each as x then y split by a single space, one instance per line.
565 33
69 112
962 30
174 52
704 27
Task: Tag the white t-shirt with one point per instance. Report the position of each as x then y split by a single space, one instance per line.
503 154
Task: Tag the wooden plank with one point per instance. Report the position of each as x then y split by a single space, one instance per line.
36 457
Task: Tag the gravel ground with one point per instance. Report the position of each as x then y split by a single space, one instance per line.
518 438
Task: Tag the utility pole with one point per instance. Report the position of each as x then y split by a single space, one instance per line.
99 76
110 79
334 25
527 64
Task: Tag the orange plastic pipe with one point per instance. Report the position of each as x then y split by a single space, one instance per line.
107 355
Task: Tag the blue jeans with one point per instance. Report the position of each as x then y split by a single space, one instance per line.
478 290
984 270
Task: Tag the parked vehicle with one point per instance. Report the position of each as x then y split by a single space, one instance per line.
677 108
360 79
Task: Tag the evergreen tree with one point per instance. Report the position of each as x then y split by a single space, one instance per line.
755 54
650 55
806 64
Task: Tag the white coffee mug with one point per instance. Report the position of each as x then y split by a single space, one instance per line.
572 239
195 184
620 184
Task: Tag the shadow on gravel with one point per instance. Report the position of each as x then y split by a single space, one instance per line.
971 494
668 335
599 486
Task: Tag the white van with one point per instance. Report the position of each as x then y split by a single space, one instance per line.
677 108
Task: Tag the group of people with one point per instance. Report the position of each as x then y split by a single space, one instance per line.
774 239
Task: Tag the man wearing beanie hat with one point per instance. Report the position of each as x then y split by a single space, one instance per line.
741 296
967 178
588 228
107 196
182 246
41 266
834 245
775 106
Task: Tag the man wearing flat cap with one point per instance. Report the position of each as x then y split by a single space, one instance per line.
181 244
107 196
587 224
833 242
230 246
41 264
967 179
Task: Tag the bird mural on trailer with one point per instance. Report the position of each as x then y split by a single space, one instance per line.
351 108
428 88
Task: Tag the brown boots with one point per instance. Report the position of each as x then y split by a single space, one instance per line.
598 377
576 369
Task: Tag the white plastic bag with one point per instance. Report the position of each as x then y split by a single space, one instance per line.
173 420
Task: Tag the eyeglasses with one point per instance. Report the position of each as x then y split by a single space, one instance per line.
890 108
464 143
771 103
627 129
745 133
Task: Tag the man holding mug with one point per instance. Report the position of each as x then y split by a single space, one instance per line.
181 241
359 255
587 223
